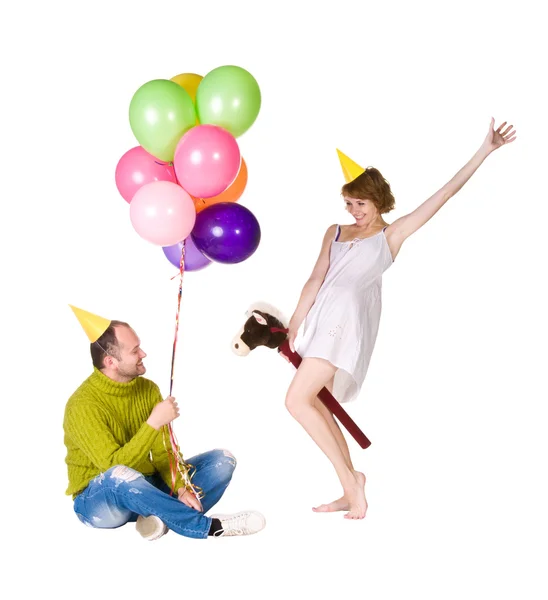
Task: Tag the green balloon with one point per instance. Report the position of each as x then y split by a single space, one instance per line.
160 113
229 97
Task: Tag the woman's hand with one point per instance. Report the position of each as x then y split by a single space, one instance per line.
498 138
291 335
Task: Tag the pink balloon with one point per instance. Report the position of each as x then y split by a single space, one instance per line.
162 212
136 168
207 160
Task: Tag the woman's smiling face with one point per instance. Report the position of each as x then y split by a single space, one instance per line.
364 211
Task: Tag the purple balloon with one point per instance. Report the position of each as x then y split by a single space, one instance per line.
226 232
194 259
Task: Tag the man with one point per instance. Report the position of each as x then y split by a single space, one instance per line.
118 466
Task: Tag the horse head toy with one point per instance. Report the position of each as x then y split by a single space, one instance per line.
267 326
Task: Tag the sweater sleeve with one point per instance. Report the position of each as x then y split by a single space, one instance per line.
89 429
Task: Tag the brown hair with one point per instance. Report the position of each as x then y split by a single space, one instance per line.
371 185
106 345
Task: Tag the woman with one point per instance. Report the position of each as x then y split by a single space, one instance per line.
342 304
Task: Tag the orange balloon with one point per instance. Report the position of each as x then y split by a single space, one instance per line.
231 194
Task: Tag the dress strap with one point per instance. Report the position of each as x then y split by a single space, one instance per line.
338 232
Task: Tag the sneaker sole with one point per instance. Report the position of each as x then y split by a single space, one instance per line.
149 528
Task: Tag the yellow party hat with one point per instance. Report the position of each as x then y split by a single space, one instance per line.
351 170
93 325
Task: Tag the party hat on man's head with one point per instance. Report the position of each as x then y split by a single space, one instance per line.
351 170
93 325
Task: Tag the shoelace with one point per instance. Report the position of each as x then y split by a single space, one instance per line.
223 532
233 526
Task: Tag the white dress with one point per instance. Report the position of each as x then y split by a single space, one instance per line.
343 322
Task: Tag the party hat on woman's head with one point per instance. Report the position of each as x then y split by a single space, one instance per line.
351 170
93 325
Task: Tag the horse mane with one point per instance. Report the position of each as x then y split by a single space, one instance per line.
269 309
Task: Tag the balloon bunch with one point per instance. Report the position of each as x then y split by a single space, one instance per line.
184 179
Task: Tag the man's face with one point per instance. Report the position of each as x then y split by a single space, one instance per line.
130 364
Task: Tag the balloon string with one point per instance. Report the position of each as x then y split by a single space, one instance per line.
181 272
178 464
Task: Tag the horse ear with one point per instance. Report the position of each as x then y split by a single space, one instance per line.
259 318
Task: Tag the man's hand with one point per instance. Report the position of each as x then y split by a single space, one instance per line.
163 413
188 498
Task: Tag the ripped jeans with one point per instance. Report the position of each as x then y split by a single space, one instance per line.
121 494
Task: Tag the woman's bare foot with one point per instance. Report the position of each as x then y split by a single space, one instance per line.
356 499
342 503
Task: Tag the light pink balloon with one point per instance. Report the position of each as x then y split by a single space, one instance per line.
136 168
162 213
207 160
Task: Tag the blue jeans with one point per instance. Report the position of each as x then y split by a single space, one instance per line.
119 495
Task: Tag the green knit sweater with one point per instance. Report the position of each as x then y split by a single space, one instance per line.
105 425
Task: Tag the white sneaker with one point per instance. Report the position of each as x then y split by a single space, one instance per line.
242 523
151 528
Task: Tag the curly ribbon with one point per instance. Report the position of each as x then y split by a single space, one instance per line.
177 463
179 296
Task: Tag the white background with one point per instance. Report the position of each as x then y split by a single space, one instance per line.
454 401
